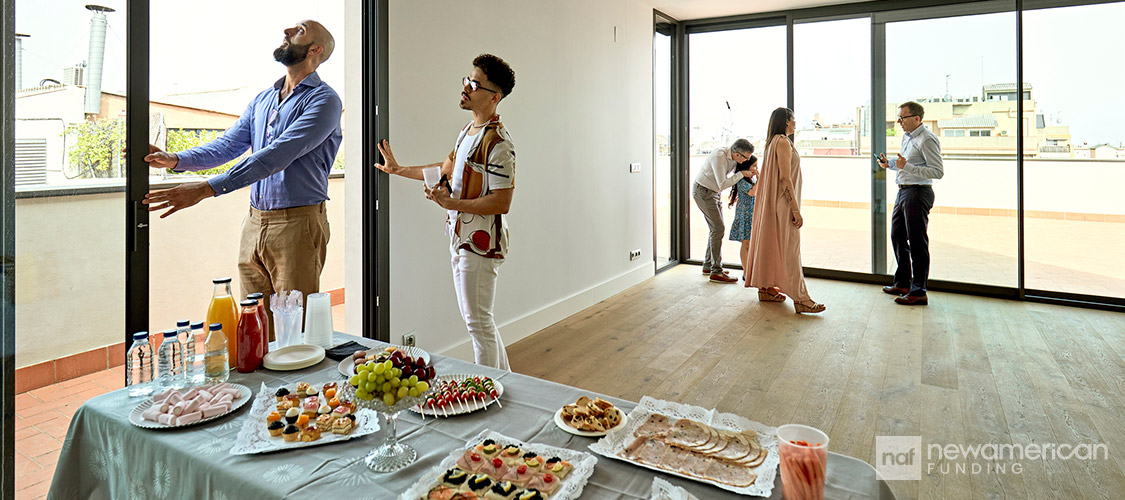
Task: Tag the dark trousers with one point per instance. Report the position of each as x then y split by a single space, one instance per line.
909 239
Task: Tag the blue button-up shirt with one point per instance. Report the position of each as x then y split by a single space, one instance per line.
294 144
923 158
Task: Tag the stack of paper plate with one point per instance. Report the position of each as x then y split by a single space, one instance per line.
293 357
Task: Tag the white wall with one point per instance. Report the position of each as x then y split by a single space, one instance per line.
353 164
581 111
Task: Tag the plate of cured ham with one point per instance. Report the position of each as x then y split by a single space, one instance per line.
721 449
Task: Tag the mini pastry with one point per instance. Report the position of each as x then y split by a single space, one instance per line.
349 404
479 483
282 406
291 415
341 411
294 400
303 420
324 409
275 428
329 385
310 433
559 467
302 387
333 402
531 494
273 417
310 408
501 491
281 393
454 477
330 393
291 433
343 425
324 421
311 391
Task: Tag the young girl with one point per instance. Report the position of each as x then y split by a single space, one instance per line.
743 193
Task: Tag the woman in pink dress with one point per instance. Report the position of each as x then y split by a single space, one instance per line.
775 235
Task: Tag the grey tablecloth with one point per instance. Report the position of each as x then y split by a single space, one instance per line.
106 457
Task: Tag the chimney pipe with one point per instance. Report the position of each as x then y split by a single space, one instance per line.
19 60
97 56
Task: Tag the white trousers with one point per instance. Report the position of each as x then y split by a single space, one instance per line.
474 279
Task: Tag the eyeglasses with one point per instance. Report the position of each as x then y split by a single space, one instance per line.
271 122
901 118
475 85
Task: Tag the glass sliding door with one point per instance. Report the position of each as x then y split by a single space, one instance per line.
662 58
195 100
736 79
962 71
1074 165
832 88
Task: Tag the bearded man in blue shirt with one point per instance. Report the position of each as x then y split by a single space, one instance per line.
293 132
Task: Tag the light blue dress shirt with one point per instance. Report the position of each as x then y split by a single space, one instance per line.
294 144
923 158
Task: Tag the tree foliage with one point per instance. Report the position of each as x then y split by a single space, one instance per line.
95 151
184 139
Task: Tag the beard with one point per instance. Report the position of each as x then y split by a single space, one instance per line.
292 54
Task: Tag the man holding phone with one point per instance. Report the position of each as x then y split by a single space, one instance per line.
476 186
918 164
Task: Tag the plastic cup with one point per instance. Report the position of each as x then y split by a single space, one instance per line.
802 467
318 320
431 175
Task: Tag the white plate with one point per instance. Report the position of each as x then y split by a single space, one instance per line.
294 357
569 488
459 408
563 425
347 366
255 437
136 419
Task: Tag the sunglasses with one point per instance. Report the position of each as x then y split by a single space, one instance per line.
475 85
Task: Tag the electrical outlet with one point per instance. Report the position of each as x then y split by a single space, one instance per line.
408 339
634 168
635 254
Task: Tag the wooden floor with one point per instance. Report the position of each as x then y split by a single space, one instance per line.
964 370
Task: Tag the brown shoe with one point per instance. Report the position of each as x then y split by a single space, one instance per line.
707 270
912 300
811 307
723 278
896 290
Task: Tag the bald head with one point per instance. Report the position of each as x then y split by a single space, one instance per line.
320 36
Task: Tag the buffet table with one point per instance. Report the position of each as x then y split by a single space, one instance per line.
106 457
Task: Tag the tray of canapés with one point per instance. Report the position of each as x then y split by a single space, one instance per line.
495 467
175 408
299 416
590 417
458 394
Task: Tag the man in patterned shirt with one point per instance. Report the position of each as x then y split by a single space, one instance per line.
478 179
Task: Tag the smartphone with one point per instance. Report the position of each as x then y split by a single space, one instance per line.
878 159
444 181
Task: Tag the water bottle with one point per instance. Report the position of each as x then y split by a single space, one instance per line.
138 370
170 361
186 336
197 368
216 360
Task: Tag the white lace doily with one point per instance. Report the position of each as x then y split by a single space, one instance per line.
616 441
663 490
255 437
569 488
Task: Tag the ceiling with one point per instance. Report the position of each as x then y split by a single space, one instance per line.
698 9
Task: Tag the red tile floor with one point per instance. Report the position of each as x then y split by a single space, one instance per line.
42 419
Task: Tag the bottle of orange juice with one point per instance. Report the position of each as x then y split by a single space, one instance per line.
224 310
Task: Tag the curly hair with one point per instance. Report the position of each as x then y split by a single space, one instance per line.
497 71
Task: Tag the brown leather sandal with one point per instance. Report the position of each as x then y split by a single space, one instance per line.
765 296
813 309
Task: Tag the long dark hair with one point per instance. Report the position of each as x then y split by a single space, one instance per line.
740 168
779 119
